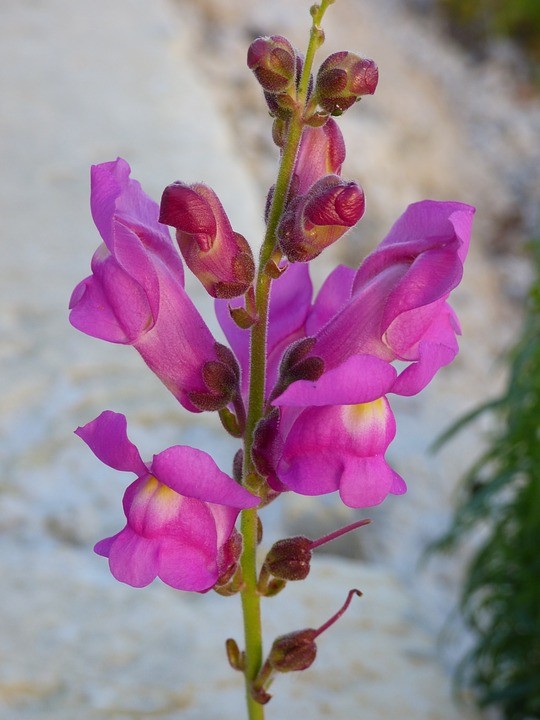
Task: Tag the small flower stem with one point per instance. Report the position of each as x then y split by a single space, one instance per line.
255 411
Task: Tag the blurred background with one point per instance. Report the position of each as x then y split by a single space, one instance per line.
456 116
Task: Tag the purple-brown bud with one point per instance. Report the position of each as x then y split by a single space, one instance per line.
220 258
314 221
273 62
294 651
289 559
342 79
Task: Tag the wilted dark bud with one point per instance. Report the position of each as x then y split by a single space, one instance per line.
273 61
221 377
220 258
342 79
294 651
289 559
314 221
234 656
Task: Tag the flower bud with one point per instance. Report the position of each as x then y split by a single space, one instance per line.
289 559
273 61
314 221
294 651
220 258
342 79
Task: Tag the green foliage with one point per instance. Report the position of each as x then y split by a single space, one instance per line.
517 19
500 600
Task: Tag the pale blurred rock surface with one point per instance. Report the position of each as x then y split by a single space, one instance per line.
164 84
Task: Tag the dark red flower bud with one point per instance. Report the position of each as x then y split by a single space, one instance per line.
220 258
342 79
314 221
290 559
273 61
294 651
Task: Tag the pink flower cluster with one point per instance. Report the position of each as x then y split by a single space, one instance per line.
330 359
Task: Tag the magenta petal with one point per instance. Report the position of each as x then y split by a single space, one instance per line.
366 481
429 278
399 487
134 559
335 292
107 437
186 567
430 218
115 194
290 301
103 547
318 473
194 473
415 377
92 314
126 298
360 379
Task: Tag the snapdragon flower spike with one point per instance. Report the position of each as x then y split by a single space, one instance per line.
395 306
342 80
219 257
316 220
135 295
273 62
180 512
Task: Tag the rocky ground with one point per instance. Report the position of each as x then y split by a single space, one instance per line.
164 85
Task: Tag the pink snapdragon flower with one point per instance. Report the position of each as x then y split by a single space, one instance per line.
332 433
135 295
395 305
180 511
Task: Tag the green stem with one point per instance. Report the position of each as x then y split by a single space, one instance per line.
249 519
